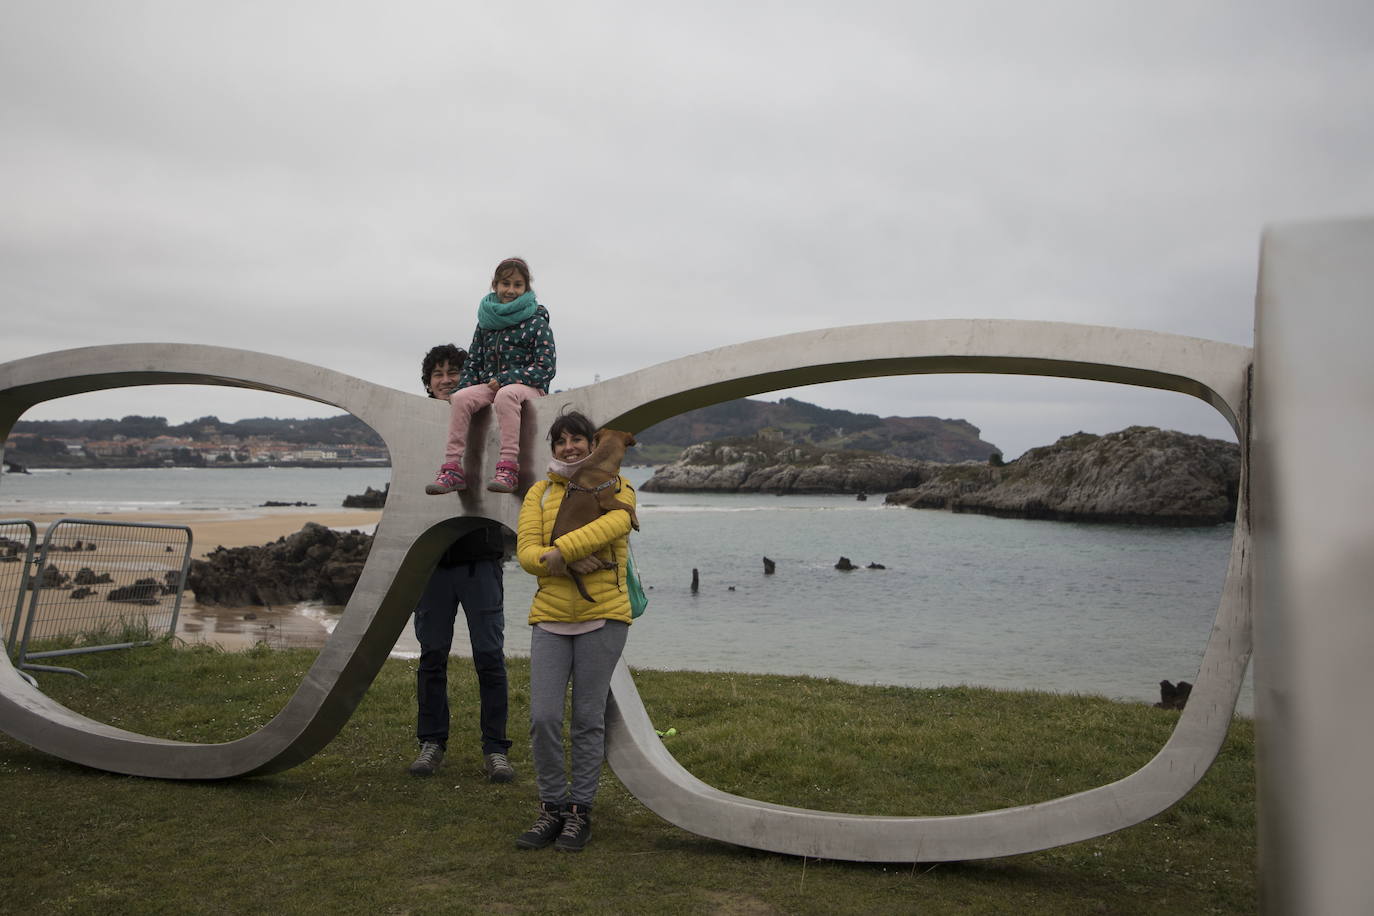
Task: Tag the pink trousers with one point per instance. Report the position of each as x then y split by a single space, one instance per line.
505 401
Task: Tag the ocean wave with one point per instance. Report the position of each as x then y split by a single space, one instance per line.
54 506
313 610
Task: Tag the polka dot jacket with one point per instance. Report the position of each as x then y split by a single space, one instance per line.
522 353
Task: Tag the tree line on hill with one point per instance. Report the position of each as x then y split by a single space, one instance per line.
786 420
798 422
344 429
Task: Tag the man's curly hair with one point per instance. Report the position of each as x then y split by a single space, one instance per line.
444 353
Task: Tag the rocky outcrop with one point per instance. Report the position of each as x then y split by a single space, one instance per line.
764 466
49 577
1141 475
87 576
314 564
142 591
368 499
11 551
1173 696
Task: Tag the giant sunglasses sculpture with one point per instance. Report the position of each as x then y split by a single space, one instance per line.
415 530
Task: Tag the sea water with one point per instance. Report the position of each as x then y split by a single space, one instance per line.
962 599
86 492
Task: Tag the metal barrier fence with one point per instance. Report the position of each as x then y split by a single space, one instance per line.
104 585
17 540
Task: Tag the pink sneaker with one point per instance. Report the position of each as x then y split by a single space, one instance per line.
506 478
449 480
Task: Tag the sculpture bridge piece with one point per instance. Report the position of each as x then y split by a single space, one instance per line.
414 531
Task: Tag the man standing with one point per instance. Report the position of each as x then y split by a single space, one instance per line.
468 574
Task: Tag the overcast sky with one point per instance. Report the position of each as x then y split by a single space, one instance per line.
333 182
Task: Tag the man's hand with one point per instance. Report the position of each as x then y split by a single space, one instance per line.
553 560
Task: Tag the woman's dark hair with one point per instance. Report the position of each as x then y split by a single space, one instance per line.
513 265
444 353
573 422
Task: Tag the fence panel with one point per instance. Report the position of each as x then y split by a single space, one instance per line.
18 537
104 585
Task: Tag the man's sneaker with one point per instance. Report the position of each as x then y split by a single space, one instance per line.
498 768
577 829
448 480
506 478
431 755
545 830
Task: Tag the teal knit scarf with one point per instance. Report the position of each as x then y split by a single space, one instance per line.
493 314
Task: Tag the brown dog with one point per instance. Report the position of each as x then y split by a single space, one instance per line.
593 488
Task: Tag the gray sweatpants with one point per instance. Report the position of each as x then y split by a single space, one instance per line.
587 661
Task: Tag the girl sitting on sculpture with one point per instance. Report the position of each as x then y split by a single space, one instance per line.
511 360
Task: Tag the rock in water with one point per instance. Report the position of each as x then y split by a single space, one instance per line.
768 566
368 499
845 565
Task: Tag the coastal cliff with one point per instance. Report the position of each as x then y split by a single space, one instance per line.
762 465
1139 475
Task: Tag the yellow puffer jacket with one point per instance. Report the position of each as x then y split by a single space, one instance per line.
608 537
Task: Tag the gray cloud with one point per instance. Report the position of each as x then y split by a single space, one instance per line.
334 181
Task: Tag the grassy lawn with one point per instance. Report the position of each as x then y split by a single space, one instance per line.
349 831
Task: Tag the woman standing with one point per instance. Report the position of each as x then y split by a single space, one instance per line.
574 640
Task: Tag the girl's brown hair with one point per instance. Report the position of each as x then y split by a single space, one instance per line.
513 265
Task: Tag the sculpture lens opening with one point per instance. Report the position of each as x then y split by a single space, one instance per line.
267 489
764 559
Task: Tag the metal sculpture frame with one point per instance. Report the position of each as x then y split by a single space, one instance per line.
415 529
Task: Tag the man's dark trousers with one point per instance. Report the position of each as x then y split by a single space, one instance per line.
478 587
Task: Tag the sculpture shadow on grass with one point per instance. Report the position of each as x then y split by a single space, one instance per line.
415 530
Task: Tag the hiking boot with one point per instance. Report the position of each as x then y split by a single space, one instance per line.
448 480
506 478
545 830
577 829
431 755
498 768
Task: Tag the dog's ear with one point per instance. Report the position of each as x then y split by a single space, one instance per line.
630 440
596 437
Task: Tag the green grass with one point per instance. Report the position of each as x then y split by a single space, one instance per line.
349 831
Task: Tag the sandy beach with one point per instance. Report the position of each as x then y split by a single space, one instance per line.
241 628
238 529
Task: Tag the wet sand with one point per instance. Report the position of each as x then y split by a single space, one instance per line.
234 629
